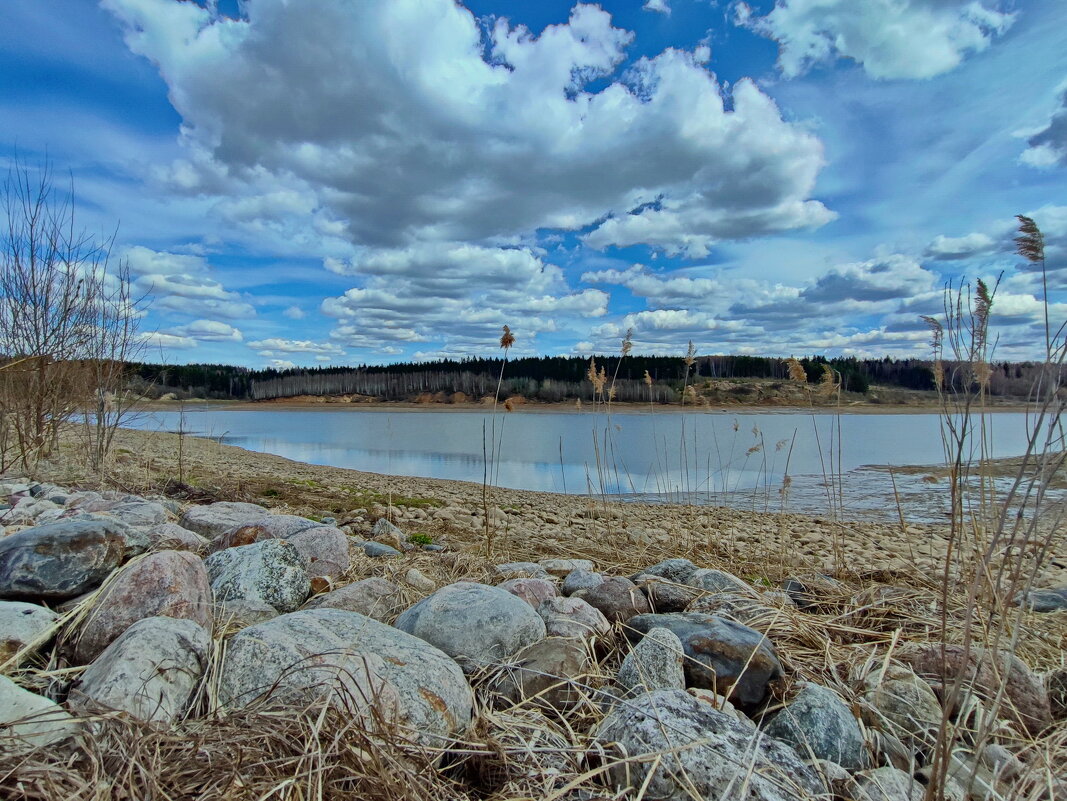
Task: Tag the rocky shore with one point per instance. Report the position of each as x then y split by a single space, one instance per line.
399 647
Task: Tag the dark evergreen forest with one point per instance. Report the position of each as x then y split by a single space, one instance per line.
548 378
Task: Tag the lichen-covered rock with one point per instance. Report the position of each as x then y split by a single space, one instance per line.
353 662
561 567
579 579
271 571
617 598
532 590
271 527
818 724
28 720
1025 697
166 584
240 614
376 597
60 560
324 550
22 624
172 537
718 581
217 518
888 784
721 655
655 663
150 671
473 623
696 749
572 617
676 571
550 672
139 512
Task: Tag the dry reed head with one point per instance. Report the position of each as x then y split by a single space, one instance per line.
690 354
628 342
648 379
507 339
830 381
937 343
1030 244
796 370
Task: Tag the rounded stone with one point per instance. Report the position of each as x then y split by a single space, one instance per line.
818 724
655 663
572 617
617 598
474 623
375 597
271 571
532 590
22 624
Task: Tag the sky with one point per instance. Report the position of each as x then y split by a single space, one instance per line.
329 182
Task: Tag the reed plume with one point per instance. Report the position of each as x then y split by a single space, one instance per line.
796 370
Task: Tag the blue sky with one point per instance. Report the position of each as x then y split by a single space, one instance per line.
303 182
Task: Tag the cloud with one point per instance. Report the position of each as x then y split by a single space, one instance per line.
157 339
660 289
947 248
405 123
179 282
275 346
1048 146
209 331
659 6
294 313
891 278
913 39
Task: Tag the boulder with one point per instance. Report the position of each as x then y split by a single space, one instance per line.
888 784
28 720
377 598
676 571
240 614
665 596
353 661
896 701
1043 600
520 569
744 609
819 725
617 598
150 671
572 617
532 590
271 572
561 567
22 624
721 655
217 518
473 623
1025 700
814 590
139 513
550 673
324 550
166 584
655 663
718 581
60 560
378 550
579 580
172 537
271 527
695 751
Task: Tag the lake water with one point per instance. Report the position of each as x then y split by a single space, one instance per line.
737 459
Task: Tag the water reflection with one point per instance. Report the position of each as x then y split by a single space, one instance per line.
700 457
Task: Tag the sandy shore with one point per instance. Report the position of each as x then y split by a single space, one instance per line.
527 524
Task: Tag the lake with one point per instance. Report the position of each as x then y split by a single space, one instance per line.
730 458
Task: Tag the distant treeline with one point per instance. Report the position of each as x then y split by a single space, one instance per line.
549 378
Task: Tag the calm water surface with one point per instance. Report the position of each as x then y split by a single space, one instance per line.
739 459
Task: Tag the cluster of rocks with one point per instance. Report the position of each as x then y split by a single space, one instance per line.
141 592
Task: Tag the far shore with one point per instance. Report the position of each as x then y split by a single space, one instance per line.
568 407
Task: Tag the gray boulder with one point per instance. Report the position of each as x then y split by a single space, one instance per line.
166 583
617 597
550 672
532 590
60 560
271 527
718 581
217 518
655 663
22 624
579 579
172 537
271 571
240 614
139 513
721 655
375 597
819 725
28 720
149 672
676 571
512 570
1043 600
473 623
697 751
561 567
572 617
377 550
354 662
324 550
664 595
